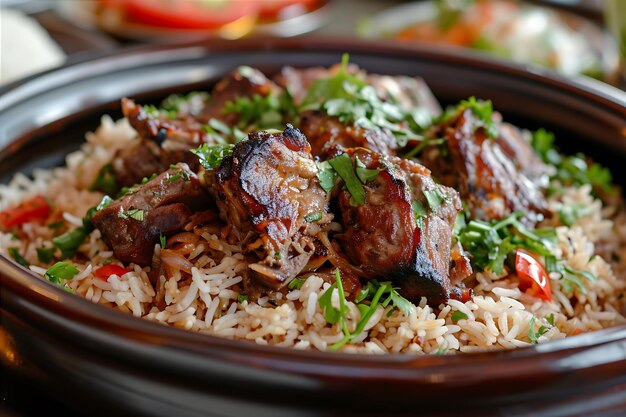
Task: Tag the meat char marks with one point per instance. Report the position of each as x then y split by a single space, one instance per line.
269 188
496 176
166 140
132 224
403 230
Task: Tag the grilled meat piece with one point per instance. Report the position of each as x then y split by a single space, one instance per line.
243 82
132 224
269 187
325 133
162 142
495 176
389 237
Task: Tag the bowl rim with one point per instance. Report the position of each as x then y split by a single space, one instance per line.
398 366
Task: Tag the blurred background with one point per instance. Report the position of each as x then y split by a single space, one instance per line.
571 36
574 37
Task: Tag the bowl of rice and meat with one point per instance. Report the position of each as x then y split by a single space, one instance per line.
280 214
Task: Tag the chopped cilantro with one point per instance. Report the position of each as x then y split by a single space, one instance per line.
15 254
222 133
151 110
342 164
70 241
45 255
296 283
211 156
135 214
261 112
534 335
56 225
365 175
459 315
490 243
105 181
242 297
571 170
572 212
326 175
61 271
434 199
162 240
482 109
313 217
352 100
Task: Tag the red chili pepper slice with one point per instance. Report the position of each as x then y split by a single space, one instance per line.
34 209
106 271
533 278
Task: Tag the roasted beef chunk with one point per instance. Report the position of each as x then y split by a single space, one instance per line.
325 133
496 176
269 187
132 224
403 230
167 140
161 143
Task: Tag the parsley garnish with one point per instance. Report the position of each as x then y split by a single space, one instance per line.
135 214
459 315
374 292
365 175
570 213
211 156
482 109
105 180
326 175
533 335
342 164
222 133
571 170
15 254
45 255
352 100
61 271
296 283
489 243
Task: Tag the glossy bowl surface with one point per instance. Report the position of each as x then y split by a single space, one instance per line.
107 361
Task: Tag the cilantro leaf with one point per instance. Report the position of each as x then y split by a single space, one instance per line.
61 271
342 164
17 257
459 315
105 181
365 175
571 170
211 156
326 175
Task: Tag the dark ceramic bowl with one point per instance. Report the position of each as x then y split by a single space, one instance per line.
103 361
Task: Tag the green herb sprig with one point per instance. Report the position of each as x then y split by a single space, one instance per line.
572 170
211 156
374 292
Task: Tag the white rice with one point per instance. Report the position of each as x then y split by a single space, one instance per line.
497 317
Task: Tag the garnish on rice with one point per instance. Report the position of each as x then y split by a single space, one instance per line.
331 209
